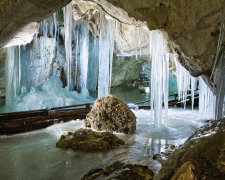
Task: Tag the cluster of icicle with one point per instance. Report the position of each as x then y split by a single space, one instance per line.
101 52
159 76
186 84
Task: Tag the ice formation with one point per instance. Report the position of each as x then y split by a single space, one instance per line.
207 101
185 83
13 75
87 64
68 25
108 29
159 76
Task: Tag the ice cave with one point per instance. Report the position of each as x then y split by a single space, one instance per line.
112 89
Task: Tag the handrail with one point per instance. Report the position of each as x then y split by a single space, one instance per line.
46 111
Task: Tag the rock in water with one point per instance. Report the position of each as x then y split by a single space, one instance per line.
120 171
88 140
110 113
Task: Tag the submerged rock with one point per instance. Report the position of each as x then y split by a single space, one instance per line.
121 171
110 113
201 157
88 140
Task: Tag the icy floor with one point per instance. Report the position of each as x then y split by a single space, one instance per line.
34 155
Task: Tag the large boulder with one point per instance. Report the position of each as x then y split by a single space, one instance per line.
89 141
110 113
119 170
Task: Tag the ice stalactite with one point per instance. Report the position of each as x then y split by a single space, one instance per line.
106 46
207 101
13 75
68 25
159 76
185 83
193 88
84 50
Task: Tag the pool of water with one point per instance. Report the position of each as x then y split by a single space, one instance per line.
34 155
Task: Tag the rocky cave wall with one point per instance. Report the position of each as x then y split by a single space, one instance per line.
192 27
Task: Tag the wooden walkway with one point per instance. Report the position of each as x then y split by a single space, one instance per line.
25 121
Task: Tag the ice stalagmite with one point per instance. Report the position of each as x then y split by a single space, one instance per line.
207 101
159 76
68 24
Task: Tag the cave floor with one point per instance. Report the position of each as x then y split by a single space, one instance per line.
35 156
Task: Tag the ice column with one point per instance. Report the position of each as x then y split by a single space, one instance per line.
13 73
84 44
159 76
68 24
106 47
207 101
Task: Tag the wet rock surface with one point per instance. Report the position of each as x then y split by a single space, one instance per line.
120 171
89 141
201 157
110 113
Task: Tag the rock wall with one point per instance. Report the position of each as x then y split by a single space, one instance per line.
15 14
131 71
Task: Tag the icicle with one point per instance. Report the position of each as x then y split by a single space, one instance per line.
159 76
136 38
193 87
77 50
13 74
183 82
106 47
139 40
84 43
68 24
56 24
207 101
